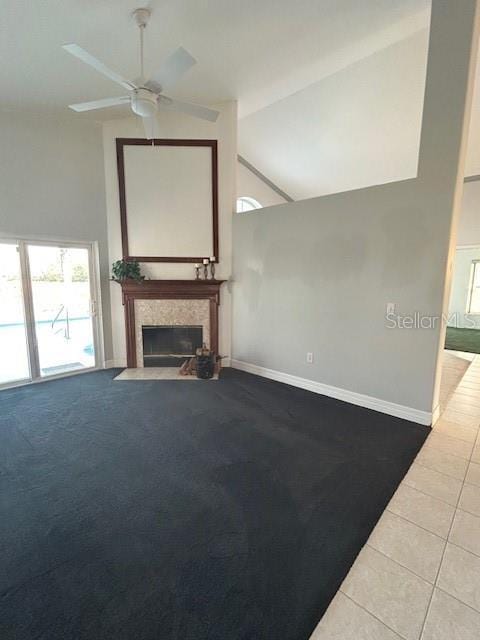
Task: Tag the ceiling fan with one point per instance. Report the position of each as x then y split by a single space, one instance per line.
145 96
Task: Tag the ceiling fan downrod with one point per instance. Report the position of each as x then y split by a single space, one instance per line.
141 17
144 102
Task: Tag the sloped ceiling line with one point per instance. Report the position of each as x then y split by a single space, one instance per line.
264 179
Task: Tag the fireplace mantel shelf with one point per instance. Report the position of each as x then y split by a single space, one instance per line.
168 290
138 285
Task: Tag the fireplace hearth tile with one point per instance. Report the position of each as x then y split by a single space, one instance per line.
156 373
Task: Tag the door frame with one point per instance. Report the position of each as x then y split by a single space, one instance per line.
95 295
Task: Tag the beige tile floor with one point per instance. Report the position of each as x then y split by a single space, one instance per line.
454 366
418 576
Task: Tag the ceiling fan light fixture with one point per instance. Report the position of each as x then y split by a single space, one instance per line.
145 95
144 103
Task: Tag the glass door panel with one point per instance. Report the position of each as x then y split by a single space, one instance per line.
14 360
61 292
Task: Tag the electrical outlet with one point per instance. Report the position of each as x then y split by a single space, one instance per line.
309 357
390 308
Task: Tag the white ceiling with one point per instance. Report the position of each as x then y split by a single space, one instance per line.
358 127
242 47
278 58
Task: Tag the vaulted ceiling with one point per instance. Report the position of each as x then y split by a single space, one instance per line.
244 49
329 91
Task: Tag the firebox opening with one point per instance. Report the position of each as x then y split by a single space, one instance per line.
170 346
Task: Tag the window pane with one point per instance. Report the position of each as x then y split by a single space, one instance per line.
247 204
475 293
13 338
60 282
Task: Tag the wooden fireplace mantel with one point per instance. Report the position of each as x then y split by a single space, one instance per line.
168 290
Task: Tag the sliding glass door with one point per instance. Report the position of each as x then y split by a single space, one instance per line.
48 325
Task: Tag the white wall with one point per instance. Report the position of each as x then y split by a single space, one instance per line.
250 185
469 224
52 186
317 275
175 126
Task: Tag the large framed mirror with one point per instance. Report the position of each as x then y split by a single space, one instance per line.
168 193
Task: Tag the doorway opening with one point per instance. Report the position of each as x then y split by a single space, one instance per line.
462 341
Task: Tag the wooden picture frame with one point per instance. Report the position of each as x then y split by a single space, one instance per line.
121 143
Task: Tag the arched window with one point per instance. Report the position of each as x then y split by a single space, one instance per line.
245 204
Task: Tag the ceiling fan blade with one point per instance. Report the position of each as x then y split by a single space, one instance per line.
195 110
100 104
178 63
86 57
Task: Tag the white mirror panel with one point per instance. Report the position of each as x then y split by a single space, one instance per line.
168 193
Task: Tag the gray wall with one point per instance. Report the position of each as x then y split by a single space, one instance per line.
316 275
53 186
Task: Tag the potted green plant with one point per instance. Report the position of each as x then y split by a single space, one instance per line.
126 270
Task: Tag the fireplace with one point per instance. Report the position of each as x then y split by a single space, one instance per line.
170 345
169 303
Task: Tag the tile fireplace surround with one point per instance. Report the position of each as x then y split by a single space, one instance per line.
169 302
170 313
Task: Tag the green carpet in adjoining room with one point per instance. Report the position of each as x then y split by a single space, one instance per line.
463 340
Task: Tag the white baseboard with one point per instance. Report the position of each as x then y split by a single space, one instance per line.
435 414
359 399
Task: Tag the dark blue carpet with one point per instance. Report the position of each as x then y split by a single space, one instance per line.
225 510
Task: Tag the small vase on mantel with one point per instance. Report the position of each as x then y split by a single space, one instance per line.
212 267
